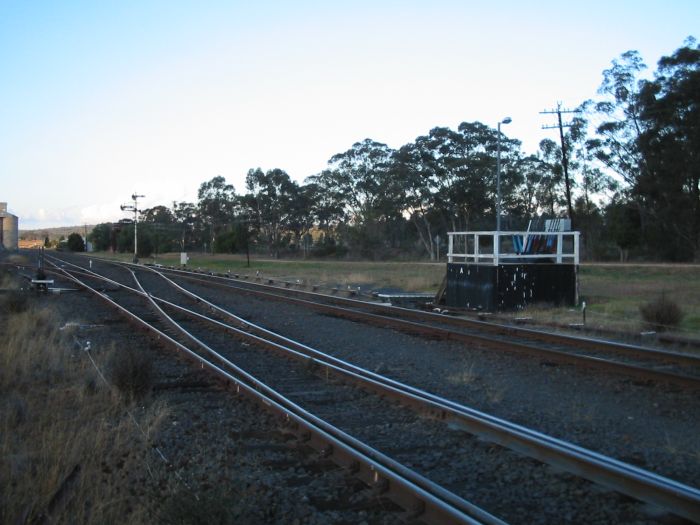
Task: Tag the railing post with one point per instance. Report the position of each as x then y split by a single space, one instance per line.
459 249
496 247
560 246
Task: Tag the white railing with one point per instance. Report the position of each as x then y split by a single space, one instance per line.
490 247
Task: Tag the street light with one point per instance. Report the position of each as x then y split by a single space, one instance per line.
135 209
506 120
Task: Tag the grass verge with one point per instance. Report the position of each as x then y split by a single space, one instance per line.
613 293
69 451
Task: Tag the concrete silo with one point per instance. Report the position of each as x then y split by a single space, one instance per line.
9 228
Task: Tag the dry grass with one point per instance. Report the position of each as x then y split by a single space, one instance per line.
465 376
413 276
131 372
66 440
613 293
15 258
495 394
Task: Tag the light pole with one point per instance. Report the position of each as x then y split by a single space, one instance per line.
506 120
135 209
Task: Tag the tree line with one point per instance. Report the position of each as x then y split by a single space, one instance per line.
633 170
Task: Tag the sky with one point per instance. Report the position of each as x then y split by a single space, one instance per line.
100 100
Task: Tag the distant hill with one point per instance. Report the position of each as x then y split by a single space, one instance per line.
53 234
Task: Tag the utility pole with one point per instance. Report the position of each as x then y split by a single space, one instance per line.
136 211
564 157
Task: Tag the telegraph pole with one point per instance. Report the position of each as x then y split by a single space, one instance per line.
135 209
564 157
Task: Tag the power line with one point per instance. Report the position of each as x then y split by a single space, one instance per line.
564 158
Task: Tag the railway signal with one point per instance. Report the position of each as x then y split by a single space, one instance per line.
134 208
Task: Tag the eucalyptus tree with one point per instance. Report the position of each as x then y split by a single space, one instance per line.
101 237
301 217
670 146
615 119
449 179
160 226
272 203
361 177
361 195
415 167
647 134
550 193
216 205
158 214
534 195
186 219
468 159
326 201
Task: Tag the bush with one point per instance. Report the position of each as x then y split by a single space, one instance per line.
75 243
131 371
661 314
14 301
226 242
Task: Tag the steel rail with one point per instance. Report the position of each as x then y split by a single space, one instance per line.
460 322
420 496
628 479
637 483
578 342
593 362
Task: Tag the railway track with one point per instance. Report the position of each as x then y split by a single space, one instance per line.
309 384
639 362
411 491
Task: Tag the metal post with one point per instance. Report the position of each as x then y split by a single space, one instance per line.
506 120
136 226
135 209
136 233
498 180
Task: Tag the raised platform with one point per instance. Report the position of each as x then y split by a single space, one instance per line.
510 286
509 270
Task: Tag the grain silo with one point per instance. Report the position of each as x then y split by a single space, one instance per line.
9 228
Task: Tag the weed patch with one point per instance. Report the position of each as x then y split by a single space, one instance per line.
661 314
59 426
131 372
465 376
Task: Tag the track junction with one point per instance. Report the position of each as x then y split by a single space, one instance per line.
364 420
